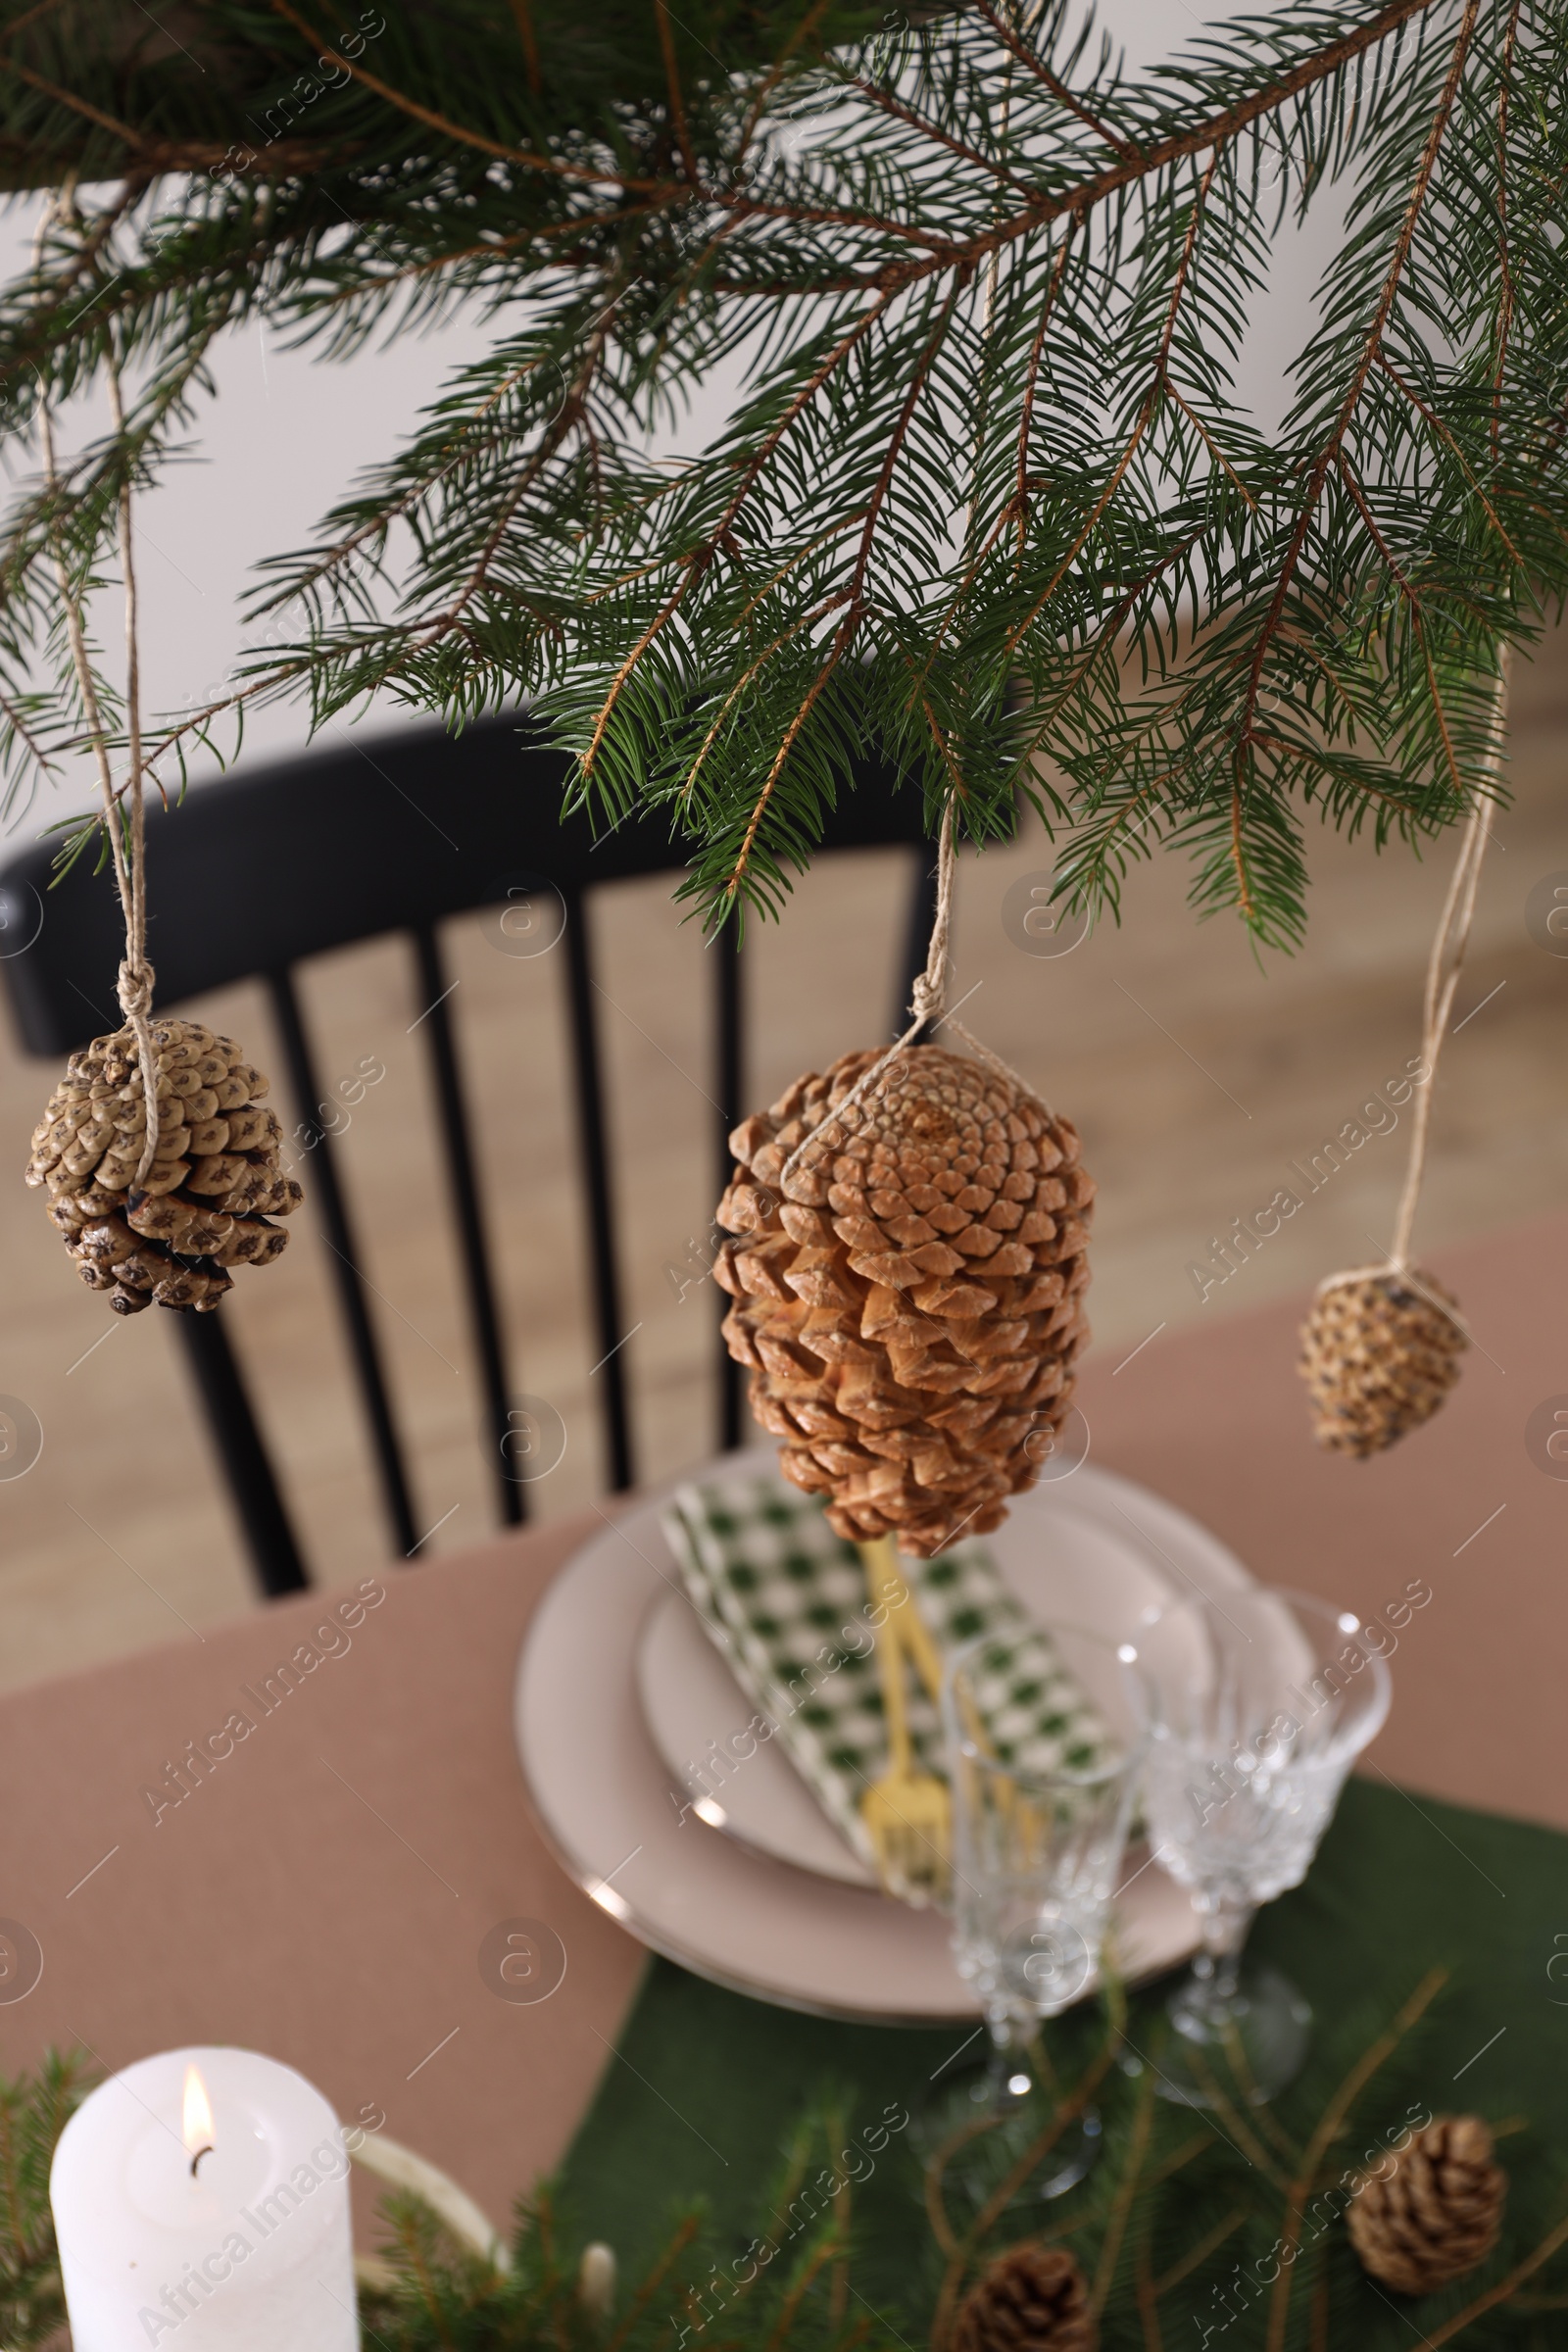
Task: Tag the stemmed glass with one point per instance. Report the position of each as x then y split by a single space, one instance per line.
1036 1860
1259 1702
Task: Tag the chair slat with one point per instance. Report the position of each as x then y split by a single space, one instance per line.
253 1488
457 1141
610 1370
729 1086
352 1303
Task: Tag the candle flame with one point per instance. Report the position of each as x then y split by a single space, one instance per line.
198 2118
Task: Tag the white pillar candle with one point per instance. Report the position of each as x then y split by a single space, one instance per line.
201 2200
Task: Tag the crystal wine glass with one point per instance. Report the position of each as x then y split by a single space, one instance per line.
1036 1859
1260 1702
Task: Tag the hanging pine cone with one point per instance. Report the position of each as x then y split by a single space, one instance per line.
205 1203
907 1299
1379 1355
1437 2214
1031 2299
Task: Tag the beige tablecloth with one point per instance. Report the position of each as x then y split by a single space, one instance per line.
324 1893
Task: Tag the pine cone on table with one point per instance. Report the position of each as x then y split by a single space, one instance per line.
1032 2299
1379 1355
1437 2214
207 1201
907 1299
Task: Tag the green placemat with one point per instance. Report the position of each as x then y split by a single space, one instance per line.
705 2085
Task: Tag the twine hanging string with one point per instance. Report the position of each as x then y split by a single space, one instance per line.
930 995
134 986
926 1001
1443 967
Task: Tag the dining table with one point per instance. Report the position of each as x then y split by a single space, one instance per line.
332 1889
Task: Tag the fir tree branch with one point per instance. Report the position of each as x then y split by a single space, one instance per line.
1083 197
1308 609
887 102
697 561
1371 354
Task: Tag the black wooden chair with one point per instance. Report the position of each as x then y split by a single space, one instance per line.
401 831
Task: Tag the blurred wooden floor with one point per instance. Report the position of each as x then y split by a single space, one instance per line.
1194 1074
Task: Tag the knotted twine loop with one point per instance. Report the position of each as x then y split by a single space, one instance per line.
134 986
1443 967
927 997
135 989
929 994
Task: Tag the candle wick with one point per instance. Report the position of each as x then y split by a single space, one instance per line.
196 2159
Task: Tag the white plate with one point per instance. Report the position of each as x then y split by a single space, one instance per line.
623 1826
1097 1555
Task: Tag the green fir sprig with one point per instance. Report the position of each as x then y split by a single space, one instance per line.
986 495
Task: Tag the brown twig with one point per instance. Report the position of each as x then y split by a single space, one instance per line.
77 106
458 131
1503 2290
1240 2131
1069 2109
1035 64
709 545
20 728
1197 2255
1083 196
1126 2193
654 2279
29 16
1443 434
804 621
1209 442
771 80
889 103
1148 2305
844 635
824 2252
1031 380
677 103
1144 414
1325 2132
1320 2314
523 15
1505 263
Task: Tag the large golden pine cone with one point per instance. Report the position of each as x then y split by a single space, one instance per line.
1437 2212
907 1299
1032 2299
1379 1355
206 1202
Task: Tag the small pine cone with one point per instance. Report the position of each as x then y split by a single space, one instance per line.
1379 1355
1437 2214
168 1239
908 1299
1032 2299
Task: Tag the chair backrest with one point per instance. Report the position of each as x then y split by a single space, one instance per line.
257 870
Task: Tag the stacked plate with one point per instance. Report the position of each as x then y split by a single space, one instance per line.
642 1756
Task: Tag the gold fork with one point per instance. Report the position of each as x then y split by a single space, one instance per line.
884 1575
907 1811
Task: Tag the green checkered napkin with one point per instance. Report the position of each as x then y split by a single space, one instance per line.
785 1599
